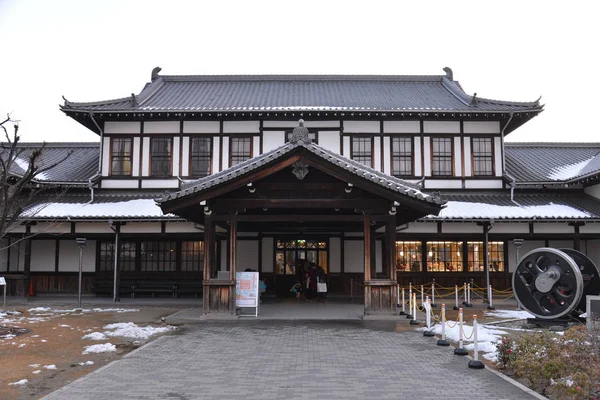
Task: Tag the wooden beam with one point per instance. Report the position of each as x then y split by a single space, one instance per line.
294 217
360 204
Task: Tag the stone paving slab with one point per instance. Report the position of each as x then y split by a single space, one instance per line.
274 359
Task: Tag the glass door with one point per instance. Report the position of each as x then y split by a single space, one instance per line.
290 257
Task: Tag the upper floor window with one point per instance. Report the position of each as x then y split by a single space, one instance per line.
441 156
200 156
362 150
240 149
160 156
311 135
120 157
482 157
402 156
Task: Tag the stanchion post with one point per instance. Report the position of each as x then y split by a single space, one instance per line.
443 341
433 294
410 303
414 321
456 297
428 332
422 296
460 350
491 305
403 312
468 303
475 363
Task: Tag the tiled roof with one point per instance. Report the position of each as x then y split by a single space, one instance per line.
358 169
552 162
526 206
262 93
137 205
78 167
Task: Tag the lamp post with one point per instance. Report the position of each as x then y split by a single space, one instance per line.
81 244
518 243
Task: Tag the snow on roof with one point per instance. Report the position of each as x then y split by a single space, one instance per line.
137 208
568 171
465 210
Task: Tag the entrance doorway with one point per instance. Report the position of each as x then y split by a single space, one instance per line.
292 253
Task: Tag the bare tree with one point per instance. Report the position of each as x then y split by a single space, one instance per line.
20 166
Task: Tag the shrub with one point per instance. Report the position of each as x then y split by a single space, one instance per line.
504 351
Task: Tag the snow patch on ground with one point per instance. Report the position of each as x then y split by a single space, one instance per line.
86 363
131 330
95 336
50 366
37 371
510 314
34 365
100 348
19 383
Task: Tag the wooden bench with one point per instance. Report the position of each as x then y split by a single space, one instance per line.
189 287
154 288
106 286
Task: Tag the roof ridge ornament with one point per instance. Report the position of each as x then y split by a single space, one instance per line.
134 100
300 134
449 73
474 99
155 72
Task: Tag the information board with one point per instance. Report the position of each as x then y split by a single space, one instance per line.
2 281
246 289
593 312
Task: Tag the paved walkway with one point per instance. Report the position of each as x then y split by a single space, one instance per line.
275 359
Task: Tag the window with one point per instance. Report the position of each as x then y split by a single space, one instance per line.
120 158
200 156
192 256
444 256
158 256
441 156
240 150
402 156
107 256
482 157
495 256
311 135
160 155
290 253
362 150
408 256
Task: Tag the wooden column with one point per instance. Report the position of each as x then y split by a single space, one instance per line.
27 263
232 258
390 243
367 246
208 260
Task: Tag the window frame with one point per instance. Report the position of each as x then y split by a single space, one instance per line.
112 155
153 174
191 156
372 139
435 173
412 156
491 156
231 139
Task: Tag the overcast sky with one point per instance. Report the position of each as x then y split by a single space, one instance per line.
99 50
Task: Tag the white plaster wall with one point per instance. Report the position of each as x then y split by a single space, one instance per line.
590 228
176 158
272 140
377 153
346 148
593 191
122 127
561 244
308 124
505 227
528 245
467 160
330 140
43 255
185 156
17 257
68 258
146 157
553 228
215 155
457 157
460 227
401 126
484 184
498 156
387 150
441 127
268 257
106 156
418 159
93 227
443 184
247 254
420 227
119 183
3 254
241 127
160 183
51 227
225 152
427 155
378 257
361 126
141 227
481 127
255 146
182 227
201 126
335 254
354 256
135 157
161 127
593 251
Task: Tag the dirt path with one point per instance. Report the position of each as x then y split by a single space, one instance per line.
53 347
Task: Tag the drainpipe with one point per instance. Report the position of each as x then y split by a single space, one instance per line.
99 173
504 173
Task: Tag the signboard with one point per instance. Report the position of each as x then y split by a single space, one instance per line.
593 312
2 281
246 289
